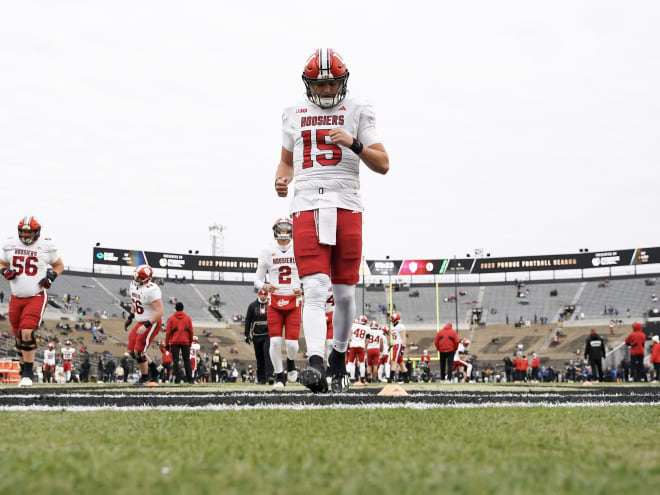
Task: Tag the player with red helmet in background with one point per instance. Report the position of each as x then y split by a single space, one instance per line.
375 339
324 140
67 352
194 353
357 347
384 362
461 359
277 260
30 263
147 309
398 332
49 363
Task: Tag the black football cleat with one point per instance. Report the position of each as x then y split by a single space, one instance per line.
313 377
340 384
337 366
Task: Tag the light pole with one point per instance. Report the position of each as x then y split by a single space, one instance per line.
456 266
216 232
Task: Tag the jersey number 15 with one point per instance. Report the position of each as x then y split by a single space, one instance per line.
332 155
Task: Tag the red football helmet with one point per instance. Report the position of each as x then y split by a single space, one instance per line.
374 325
325 64
363 320
142 274
385 330
283 224
195 338
466 342
68 342
51 346
262 294
395 318
28 230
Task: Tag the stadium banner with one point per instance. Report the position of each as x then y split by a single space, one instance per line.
602 259
192 262
644 256
384 267
423 267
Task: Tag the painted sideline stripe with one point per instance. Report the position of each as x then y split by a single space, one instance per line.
298 407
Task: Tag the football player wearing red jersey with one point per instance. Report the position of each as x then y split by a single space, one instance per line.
30 263
324 140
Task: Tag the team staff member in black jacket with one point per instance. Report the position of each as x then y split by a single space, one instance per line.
178 337
256 331
595 351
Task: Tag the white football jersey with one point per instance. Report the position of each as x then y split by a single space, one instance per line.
194 349
281 268
67 353
142 296
49 357
396 333
461 350
330 301
29 262
373 338
358 335
317 162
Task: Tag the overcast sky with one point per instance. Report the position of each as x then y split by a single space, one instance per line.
519 127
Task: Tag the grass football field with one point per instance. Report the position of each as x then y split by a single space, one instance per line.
606 449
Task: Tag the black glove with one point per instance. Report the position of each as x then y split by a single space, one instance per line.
147 324
47 281
167 348
248 340
129 320
8 273
401 349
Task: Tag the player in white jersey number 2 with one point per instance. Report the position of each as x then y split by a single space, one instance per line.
30 263
324 140
285 298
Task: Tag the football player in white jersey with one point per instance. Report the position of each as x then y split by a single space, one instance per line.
324 140
67 353
398 332
461 360
357 345
384 363
49 363
194 353
147 309
374 350
285 295
31 264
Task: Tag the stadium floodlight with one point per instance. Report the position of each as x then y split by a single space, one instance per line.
216 232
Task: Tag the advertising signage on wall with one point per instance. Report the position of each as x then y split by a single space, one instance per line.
193 262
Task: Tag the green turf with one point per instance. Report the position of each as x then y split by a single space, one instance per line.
494 450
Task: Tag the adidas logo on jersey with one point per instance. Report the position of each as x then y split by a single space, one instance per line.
342 108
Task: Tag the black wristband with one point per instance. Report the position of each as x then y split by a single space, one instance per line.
147 324
357 146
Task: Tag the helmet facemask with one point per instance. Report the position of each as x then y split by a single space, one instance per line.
326 101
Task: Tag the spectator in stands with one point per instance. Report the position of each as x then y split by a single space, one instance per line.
595 351
508 368
655 357
178 337
446 342
109 371
636 341
2 296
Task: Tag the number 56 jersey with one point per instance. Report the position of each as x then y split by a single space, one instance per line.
142 296
318 163
30 262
